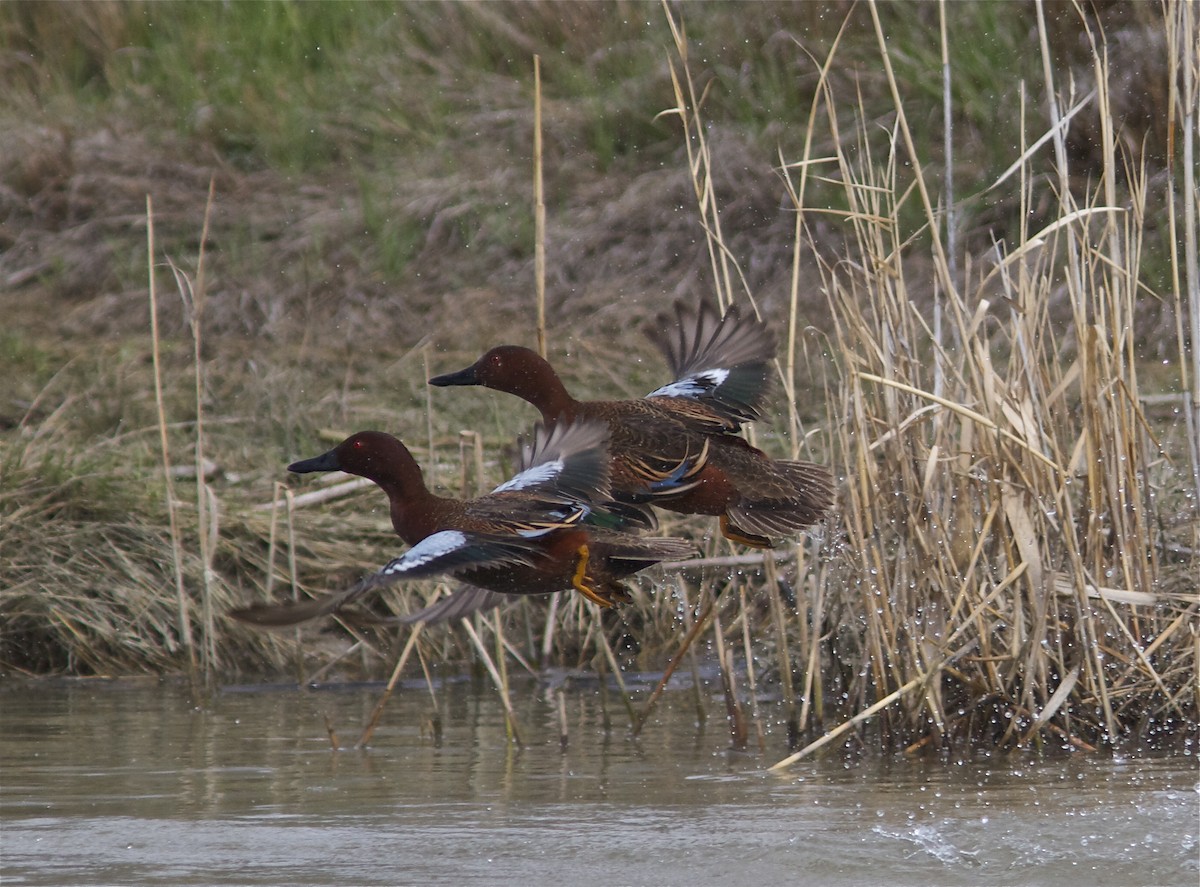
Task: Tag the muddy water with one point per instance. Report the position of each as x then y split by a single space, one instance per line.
135 784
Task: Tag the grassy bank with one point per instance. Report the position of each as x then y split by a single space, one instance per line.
997 376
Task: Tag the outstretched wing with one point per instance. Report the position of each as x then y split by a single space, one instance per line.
452 552
462 602
720 362
566 464
449 551
564 473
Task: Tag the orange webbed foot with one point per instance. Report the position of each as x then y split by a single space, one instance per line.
729 531
582 582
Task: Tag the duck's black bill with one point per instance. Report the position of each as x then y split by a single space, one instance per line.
462 377
324 462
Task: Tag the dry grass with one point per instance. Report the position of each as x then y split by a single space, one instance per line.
1008 511
1012 560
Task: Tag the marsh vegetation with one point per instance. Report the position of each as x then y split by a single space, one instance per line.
976 236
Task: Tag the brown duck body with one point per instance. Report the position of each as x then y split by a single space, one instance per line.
678 448
528 536
757 498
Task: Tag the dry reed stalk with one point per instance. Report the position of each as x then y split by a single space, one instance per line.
783 652
698 699
639 719
606 649
862 716
207 507
941 264
207 510
316 676
564 736
724 266
1182 26
951 211
316 497
733 703
539 273
539 210
811 697
185 623
435 718
681 611
867 713
272 535
687 108
511 649
548 632
428 675
377 712
294 581
606 723
431 462
796 194
797 718
334 743
980 481
497 626
751 680
510 717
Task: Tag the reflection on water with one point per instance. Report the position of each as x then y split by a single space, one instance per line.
134 784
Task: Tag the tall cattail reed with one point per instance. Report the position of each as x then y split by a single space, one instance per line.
998 513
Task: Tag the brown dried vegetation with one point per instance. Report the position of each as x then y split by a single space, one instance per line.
1013 557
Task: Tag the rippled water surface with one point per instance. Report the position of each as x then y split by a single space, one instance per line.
137 784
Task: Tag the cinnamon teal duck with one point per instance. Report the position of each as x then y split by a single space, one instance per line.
679 447
531 535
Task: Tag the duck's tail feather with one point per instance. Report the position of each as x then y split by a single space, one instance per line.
810 498
648 550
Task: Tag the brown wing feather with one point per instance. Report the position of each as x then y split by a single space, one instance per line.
697 415
652 453
783 499
722 362
698 338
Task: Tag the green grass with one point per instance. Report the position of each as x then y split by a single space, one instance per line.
259 80
367 92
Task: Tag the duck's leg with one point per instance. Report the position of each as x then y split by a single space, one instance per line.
581 582
729 531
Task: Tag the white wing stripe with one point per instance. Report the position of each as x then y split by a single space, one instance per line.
532 477
695 385
431 548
